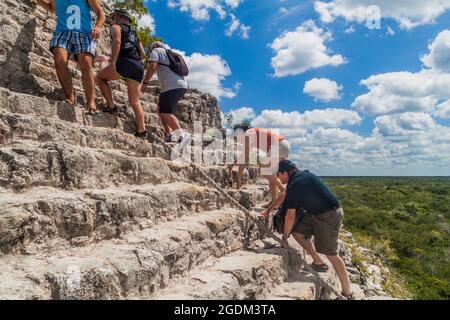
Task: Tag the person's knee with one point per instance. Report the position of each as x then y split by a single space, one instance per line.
135 104
98 79
60 61
299 237
85 64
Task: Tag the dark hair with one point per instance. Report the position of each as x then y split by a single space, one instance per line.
122 13
287 166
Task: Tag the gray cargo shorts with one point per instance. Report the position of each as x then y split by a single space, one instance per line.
324 227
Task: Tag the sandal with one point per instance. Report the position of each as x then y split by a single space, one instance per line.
349 296
142 135
114 109
92 112
320 267
66 100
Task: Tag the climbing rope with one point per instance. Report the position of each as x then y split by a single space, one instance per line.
262 226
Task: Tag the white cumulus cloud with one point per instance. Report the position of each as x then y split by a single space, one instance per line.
444 110
207 72
237 26
308 119
147 20
200 10
403 91
439 56
425 91
323 89
303 49
408 13
241 114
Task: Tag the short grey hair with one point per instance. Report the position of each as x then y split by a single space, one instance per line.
159 44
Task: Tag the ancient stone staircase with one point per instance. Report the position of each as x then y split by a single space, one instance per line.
88 211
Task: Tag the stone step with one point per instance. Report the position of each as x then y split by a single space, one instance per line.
18 103
66 166
264 272
236 276
188 111
302 286
137 265
17 127
43 218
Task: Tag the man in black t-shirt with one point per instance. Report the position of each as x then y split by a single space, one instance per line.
313 210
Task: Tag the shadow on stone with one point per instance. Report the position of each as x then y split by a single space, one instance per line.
16 74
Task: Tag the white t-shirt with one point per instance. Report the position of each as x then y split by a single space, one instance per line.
168 80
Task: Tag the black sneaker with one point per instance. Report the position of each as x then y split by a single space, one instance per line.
142 135
112 110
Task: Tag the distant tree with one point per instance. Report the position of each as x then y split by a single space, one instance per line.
230 124
246 123
228 120
138 9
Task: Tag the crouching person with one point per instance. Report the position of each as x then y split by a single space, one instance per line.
312 210
126 63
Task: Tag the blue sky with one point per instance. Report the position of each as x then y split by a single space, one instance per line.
392 125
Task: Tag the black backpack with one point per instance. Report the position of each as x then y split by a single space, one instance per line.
177 63
278 220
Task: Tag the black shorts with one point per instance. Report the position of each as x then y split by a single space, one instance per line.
168 100
130 69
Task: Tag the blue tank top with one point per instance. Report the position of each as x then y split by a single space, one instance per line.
73 15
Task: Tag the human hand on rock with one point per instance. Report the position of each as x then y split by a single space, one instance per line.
284 243
265 213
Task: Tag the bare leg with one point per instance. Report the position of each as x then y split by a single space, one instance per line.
274 185
102 61
341 271
134 88
309 247
102 78
85 64
61 59
239 176
170 121
167 128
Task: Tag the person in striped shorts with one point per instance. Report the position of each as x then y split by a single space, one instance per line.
75 36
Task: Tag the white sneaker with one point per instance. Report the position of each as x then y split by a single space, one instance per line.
171 137
184 140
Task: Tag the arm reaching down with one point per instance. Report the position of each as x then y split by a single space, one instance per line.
101 17
152 66
274 204
141 50
47 5
289 220
116 34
